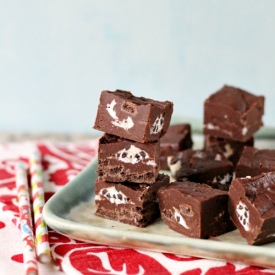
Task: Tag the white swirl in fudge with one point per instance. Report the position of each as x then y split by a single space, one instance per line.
125 123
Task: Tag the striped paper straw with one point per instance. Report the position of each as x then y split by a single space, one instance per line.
41 231
30 259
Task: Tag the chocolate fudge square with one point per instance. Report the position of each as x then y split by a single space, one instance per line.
232 113
231 149
255 161
125 160
195 210
202 166
252 207
136 118
134 204
177 138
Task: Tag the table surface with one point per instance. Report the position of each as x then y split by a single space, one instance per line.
65 155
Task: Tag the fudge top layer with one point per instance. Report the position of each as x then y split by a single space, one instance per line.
235 98
260 191
190 189
113 139
128 96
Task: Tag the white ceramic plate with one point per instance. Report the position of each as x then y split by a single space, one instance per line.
71 212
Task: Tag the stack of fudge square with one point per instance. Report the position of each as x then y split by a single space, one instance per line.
128 177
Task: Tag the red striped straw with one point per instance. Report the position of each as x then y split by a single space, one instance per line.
26 226
38 201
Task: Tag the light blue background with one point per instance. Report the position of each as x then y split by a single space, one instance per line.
57 56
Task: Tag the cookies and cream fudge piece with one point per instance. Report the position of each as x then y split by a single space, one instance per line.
202 166
231 149
195 210
252 207
232 113
136 118
177 138
255 161
125 160
134 204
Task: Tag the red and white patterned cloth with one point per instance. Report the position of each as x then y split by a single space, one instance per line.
61 162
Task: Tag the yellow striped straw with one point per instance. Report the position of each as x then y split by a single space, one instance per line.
38 201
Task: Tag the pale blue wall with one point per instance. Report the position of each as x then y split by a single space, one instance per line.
56 56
